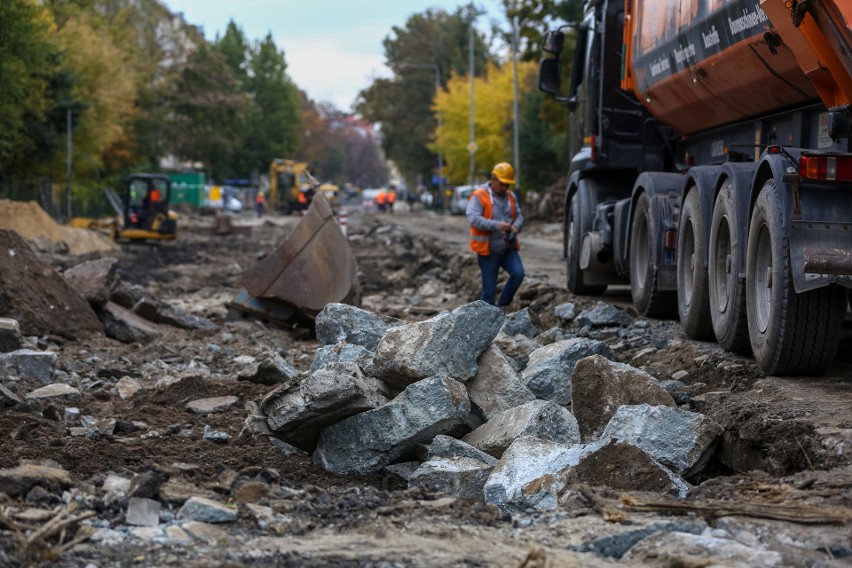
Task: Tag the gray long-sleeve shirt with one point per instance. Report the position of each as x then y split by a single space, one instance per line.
501 211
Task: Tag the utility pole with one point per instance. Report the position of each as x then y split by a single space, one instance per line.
472 145
68 149
515 105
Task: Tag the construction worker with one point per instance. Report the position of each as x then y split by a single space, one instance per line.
382 200
495 219
391 198
259 204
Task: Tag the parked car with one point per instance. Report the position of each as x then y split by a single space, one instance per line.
458 204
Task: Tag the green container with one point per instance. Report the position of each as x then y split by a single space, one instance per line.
188 187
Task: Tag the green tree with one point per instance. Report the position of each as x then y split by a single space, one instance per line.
273 126
402 105
210 112
534 18
28 66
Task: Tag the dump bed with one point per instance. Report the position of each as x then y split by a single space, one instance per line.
699 64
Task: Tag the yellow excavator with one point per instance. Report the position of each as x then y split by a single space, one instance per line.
142 212
291 186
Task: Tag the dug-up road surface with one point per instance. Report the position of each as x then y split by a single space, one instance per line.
777 492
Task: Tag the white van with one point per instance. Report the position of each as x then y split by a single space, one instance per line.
461 194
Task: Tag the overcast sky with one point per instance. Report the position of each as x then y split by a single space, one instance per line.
333 48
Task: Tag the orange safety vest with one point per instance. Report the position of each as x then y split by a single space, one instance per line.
479 239
381 198
391 197
303 199
154 195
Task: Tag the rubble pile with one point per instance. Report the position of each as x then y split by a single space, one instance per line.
425 430
387 390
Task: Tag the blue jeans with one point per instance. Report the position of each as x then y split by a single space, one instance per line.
490 265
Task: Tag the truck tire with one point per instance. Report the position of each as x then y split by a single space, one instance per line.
727 289
573 238
647 299
692 294
791 334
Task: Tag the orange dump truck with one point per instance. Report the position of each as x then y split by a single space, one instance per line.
710 167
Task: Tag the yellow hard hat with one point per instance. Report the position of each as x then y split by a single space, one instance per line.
504 172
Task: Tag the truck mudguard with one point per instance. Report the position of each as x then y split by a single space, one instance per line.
664 191
813 218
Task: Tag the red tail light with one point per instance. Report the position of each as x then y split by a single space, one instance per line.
825 168
670 239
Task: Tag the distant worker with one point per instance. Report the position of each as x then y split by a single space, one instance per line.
391 198
382 200
495 219
259 204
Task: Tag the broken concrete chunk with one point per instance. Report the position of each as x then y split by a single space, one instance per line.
57 392
600 387
127 294
625 467
206 510
36 366
447 344
668 548
17 481
520 323
342 322
679 439
449 447
539 419
298 413
94 279
10 335
548 373
517 349
529 459
214 405
143 512
566 312
367 442
269 369
603 315
123 325
342 352
496 386
158 311
462 477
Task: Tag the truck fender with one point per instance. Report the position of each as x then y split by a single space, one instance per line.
703 179
774 166
664 190
741 175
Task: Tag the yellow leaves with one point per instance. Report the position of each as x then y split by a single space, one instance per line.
493 119
102 83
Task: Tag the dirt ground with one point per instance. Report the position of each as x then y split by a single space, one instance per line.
787 441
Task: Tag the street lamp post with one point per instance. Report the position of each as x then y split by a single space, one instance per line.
437 69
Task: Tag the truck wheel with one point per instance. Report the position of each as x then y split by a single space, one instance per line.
791 334
727 290
647 299
692 295
573 238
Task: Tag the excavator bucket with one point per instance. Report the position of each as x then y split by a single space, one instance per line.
313 267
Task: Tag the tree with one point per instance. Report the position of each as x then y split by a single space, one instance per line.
273 129
492 120
402 104
210 112
534 19
28 62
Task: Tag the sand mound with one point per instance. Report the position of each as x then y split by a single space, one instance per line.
30 221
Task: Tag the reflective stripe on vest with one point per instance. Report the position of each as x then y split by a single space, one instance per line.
480 239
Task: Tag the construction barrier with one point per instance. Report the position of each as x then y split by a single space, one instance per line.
342 220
